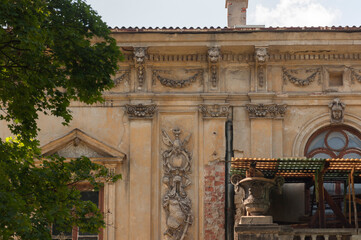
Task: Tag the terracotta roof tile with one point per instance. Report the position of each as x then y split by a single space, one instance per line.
232 30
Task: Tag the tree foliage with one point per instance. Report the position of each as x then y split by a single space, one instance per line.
52 52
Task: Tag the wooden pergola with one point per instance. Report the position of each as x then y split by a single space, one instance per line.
316 171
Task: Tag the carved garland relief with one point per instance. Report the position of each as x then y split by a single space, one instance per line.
176 203
292 75
173 83
122 75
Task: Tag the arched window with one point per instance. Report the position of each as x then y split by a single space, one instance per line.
334 142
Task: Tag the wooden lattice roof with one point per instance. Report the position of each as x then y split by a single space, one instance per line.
337 169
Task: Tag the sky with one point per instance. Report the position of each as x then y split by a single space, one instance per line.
206 13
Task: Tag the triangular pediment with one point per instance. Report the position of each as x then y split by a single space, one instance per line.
77 143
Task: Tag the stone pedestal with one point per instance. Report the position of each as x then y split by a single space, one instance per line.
256 220
260 228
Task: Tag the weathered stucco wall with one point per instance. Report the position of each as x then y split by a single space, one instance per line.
275 87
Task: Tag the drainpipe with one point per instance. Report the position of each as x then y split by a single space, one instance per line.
229 190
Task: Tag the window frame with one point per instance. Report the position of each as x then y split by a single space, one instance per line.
85 187
330 129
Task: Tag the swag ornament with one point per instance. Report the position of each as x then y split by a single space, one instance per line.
301 82
175 202
173 83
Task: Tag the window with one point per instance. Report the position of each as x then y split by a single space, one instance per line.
334 142
76 233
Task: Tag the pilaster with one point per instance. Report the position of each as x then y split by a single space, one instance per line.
140 117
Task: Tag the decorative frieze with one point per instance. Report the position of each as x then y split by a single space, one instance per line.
292 75
139 58
337 109
140 111
177 162
121 75
214 55
266 110
214 110
174 83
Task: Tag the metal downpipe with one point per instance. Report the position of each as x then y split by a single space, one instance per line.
229 189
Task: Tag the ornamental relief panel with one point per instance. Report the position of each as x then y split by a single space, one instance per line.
178 78
177 205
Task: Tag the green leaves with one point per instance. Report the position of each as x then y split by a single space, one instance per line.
33 197
48 58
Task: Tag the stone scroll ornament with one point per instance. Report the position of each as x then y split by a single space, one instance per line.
176 203
290 76
139 57
172 83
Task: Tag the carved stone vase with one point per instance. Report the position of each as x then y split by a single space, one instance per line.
257 191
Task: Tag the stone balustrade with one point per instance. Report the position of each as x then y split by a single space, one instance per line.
326 234
286 232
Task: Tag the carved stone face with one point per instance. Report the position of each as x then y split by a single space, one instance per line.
213 54
139 55
337 114
261 54
337 110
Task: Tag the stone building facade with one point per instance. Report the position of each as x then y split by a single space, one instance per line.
163 124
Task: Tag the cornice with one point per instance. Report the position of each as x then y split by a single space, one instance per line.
255 96
249 58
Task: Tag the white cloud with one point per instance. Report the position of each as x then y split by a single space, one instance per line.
295 13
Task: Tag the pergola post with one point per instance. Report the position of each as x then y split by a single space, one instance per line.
321 200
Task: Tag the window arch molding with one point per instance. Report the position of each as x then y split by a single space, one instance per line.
334 141
313 125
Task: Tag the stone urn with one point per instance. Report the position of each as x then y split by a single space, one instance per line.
257 191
